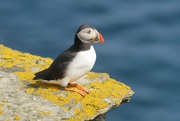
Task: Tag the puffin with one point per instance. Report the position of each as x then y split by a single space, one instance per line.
75 62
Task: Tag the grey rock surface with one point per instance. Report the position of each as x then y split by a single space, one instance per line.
15 102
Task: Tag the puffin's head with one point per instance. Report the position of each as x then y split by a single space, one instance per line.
87 34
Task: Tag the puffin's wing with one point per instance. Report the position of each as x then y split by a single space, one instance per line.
44 74
58 68
60 64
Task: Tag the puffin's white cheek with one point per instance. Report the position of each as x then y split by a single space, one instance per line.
87 37
83 36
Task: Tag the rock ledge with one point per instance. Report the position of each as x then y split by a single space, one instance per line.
22 98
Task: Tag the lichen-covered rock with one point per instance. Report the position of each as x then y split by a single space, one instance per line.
15 104
25 98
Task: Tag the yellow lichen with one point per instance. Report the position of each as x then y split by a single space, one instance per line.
15 58
65 109
43 112
118 102
17 117
1 112
25 75
77 111
4 101
29 90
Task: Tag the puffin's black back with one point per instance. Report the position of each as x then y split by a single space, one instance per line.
57 69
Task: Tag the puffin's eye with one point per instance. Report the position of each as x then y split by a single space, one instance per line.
89 32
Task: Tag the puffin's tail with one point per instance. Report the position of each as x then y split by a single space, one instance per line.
45 75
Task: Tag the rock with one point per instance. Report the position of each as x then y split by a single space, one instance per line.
22 98
16 103
35 69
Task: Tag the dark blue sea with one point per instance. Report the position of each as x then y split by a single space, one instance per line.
142 45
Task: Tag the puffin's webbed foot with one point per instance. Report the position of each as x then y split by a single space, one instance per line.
79 89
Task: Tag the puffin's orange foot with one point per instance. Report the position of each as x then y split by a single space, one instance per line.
79 89
76 90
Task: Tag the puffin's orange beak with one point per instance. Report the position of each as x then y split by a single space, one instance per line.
98 38
101 39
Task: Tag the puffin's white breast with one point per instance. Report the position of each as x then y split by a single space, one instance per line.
81 64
